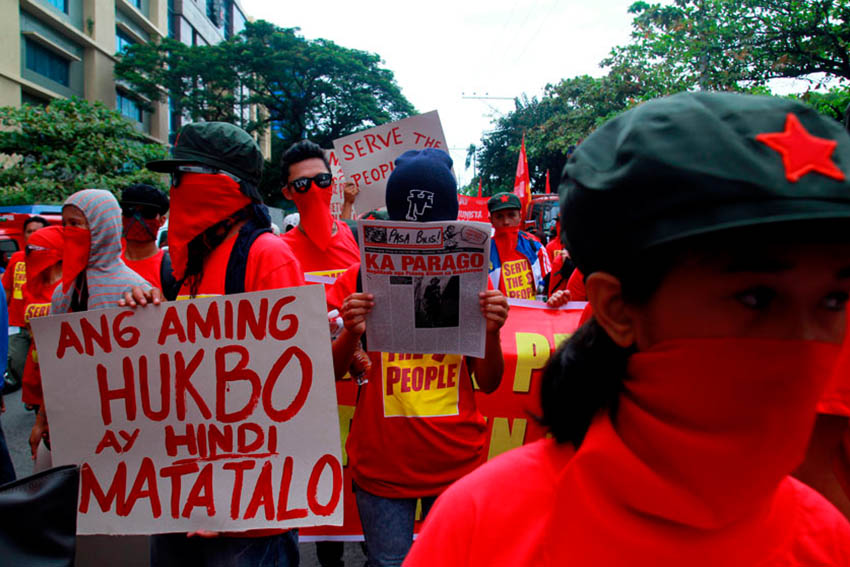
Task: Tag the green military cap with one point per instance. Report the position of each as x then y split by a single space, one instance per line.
698 163
219 145
501 201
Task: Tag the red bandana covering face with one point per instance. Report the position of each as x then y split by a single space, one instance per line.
691 467
506 238
314 206
75 256
200 201
46 247
139 229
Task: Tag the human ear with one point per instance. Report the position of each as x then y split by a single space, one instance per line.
605 294
287 192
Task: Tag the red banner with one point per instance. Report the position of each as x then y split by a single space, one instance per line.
529 337
472 208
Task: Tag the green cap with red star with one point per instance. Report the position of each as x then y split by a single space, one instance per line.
501 201
697 163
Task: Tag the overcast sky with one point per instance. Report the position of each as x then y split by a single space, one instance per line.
442 50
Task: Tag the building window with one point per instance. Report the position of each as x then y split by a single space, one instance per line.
128 107
122 41
214 11
45 62
137 4
61 5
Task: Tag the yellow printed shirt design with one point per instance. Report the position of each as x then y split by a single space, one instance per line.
420 385
18 280
518 279
35 310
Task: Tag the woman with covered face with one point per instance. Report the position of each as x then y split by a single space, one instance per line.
714 232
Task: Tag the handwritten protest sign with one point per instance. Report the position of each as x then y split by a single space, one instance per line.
206 414
368 157
472 208
338 197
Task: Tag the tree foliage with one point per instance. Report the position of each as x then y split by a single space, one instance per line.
303 88
306 88
69 145
675 47
730 45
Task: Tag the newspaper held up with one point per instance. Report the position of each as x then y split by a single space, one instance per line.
426 278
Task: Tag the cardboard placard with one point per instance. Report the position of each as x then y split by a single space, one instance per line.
338 197
368 157
205 414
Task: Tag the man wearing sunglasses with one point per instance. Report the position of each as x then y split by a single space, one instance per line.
143 209
320 242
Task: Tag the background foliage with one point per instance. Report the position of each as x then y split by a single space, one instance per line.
67 146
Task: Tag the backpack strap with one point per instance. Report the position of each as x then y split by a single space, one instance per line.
237 265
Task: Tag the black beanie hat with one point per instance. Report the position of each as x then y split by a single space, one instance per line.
422 187
145 195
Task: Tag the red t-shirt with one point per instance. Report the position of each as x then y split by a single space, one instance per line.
271 265
342 252
575 285
416 428
149 268
14 278
503 514
37 305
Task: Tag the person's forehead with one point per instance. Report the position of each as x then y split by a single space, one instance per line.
307 168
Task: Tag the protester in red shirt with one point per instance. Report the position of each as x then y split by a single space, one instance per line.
221 242
44 273
714 230
409 445
143 208
319 241
14 279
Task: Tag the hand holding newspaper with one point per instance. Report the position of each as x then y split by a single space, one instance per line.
426 278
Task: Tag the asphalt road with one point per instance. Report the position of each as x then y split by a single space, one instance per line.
99 551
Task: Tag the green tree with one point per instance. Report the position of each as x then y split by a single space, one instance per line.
305 88
69 145
732 45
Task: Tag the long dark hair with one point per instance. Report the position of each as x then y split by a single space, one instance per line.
585 375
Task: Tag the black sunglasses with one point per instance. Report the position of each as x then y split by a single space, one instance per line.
180 169
302 184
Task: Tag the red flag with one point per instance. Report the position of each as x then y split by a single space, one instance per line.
548 188
479 187
522 182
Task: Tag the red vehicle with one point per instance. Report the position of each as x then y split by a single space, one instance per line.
541 215
12 225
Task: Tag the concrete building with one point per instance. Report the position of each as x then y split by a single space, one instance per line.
62 48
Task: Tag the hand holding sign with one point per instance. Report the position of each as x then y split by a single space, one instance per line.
198 415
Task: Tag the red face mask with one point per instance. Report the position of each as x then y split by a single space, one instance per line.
138 229
75 256
506 237
200 201
314 208
705 433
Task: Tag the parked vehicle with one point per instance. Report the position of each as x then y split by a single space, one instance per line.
12 224
541 215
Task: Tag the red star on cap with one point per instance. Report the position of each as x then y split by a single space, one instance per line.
505 198
802 152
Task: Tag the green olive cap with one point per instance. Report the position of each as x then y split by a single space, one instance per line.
220 145
501 201
698 163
